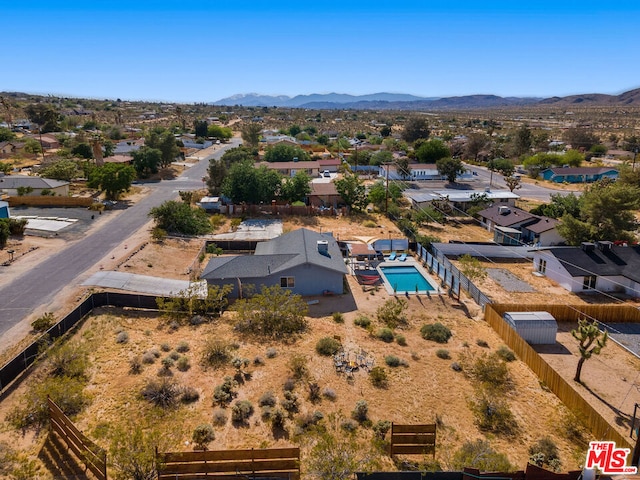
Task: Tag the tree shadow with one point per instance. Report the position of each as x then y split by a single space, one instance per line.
622 419
58 460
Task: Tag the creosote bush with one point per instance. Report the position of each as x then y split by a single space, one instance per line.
392 313
435 332
225 393
183 364
271 352
329 393
505 354
202 435
44 322
298 367
378 377
393 361
401 340
268 399
362 321
216 353
442 353
182 347
328 346
360 412
338 317
189 395
492 414
385 334
241 411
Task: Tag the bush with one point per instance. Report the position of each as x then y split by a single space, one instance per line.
443 354
393 361
329 394
360 412
491 371
202 435
68 360
482 343
392 313
44 322
369 224
189 395
182 347
544 453
135 365
225 393
168 362
381 427
401 340
328 346
505 354
271 352
289 385
216 353
308 420
480 455
493 414
338 317
314 392
290 402
161 393
148 358
385 334
258 361
362 321
183 363
378 377
456 367
277 419
174 355
348 425
165 347
241 411
298 367
435 332
268 399
219 417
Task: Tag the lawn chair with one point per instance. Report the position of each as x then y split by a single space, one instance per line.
392 257
402 257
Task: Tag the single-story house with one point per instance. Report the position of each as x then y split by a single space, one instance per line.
47 141
579 174
330 164
9 184
10 148
4 210
460 199
289 169
120 158
324 195
532 228
600 266
279 139
303 261
419 171
125 147
190 141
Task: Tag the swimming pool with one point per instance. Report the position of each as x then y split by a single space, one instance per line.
406 279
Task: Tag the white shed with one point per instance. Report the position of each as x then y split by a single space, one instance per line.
536 328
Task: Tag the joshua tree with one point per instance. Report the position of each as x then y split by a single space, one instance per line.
587 334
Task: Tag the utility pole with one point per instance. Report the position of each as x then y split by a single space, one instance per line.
635 154
386 195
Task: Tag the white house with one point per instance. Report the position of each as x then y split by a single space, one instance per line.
600 266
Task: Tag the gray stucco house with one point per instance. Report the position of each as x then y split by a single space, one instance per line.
304 261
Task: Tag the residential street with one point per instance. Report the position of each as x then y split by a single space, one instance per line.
39 286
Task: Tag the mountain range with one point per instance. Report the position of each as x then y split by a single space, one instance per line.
399 101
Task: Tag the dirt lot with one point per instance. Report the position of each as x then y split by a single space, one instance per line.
426 390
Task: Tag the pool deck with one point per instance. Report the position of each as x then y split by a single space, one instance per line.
409 262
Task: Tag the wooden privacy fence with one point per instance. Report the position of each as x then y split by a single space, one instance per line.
600 427
571 313
93 457
217 464
413 439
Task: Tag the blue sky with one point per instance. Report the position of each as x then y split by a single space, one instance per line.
205 50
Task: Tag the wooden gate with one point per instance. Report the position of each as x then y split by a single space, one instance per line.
413 439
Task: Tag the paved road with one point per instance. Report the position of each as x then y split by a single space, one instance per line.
40 285
528 190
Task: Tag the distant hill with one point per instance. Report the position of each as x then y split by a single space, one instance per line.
397 101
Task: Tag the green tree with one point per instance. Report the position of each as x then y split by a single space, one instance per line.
251 134
431 151
146 160
164 141
6 134
513 183
573 158
46 116
200 128
385 131
6 167
109 148
285 153
476 143
590 342
245 183
82 150
4 232
378 193
132 450
450 168
560 205
415 128
217 174
31 145
112 178
275 312
380 157
579 138
522 141
502 165
294 130
472 267
352 191
222 133
178 217
237 155
404 169
64 169
296 188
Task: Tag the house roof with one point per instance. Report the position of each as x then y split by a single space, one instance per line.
16 181
507 216
543 225
277 256
581 170
618 261
323 188
289 165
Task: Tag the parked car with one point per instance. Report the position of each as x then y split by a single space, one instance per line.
326 173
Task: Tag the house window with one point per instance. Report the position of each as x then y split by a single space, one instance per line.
542 266
287 282
589 282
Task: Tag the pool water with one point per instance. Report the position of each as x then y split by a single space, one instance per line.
405 279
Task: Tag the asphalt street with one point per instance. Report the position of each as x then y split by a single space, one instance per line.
39 286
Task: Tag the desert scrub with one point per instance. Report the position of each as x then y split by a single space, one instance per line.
362 321
183 364
271 352
435 332
135 365
268 399
122 337
241 411
328 346
223 394
505 354
290 402
482 343
369 224
393 361
329 394
298 367
491 371
401 340
392 313
443 354
44 322
189 395
202 436
385 334
216 353
148 358
219 417
378 377
182 347
360 412
338 317
165 347
492 414
162 393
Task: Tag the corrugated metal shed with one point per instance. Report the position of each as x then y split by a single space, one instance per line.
536 328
